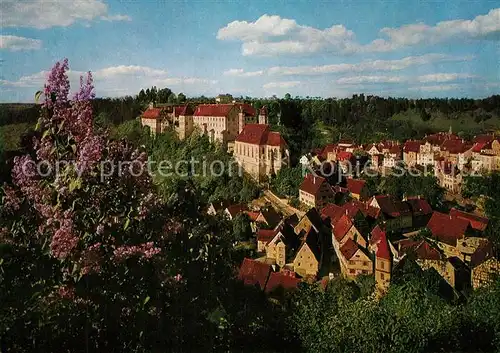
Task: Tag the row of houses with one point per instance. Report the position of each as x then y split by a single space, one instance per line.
259 151
372 238
450 156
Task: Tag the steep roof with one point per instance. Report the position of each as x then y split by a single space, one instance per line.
341 227
280 279
349 249
253 272
314 217
419 206
223 109
478 146
482 253
476 222
483 138
252 215
259 134
344 156
355 186
377 235
392 207
333 212
311 184
236 209
271 216
412 146
395 149
447 228
265 235
421 249
455 146
220 205
152 113
383 251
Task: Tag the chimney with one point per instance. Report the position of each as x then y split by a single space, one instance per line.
314 180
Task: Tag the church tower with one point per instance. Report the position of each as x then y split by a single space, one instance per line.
263 115
383 266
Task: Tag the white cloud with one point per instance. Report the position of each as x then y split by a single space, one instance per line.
286 84
430 78
116 18
483 26
436 88
243 73
273 35
119 80
43 14
372 65
15 43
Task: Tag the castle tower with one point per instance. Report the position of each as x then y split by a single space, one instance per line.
241 120
263 115
383 266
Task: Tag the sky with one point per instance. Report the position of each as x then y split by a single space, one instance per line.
317 48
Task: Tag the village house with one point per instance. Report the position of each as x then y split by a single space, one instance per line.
282 246
420 209
254 273
448 231
315 191
394 214
308 260
392 156
411 149
260 151
383 265
264 236
312 219
448 176
217 206
358 189
354 260
284 280
232 211
484 266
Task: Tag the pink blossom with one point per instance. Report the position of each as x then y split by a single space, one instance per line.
146 250
66 292
11 202
64 240
178 277
91 259
89 153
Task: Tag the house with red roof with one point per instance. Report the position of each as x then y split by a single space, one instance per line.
354 260
254 273
383 265
392 156
448 175
394 214
448 231
358 189
410 151
315 191
264 236
232 211
260 151
284 280
309 257
281 248
420 209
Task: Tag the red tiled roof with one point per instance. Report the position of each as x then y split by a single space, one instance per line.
281 279
377 235
478 146
213 109
476 222
312 184
437 139
446 228
275 139
482 253
349 249
343 156
341 227
483 139
332 211
235 209
266 234
422 249
152 113
252 215
253 272
383 248
455 146
392 207
412 146
247 108
355 186
419 206
259 134
395 149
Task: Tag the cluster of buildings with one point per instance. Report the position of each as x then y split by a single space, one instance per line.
238 126
450 156
373 238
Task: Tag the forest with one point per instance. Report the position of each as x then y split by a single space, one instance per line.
133 263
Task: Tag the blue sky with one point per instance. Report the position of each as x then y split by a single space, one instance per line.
258 48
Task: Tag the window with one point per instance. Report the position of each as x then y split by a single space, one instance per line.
352 271
382 265
365 263
298 264
382 276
